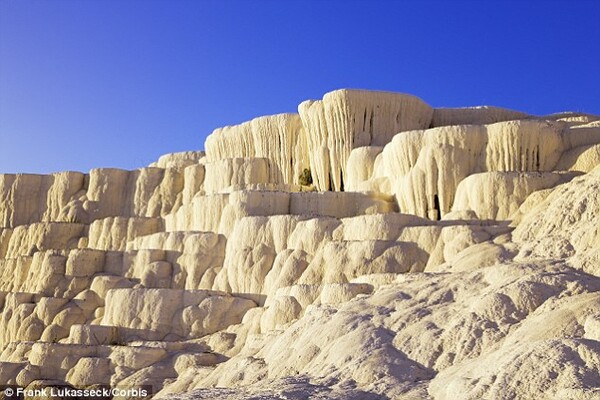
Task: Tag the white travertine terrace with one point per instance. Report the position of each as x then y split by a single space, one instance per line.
347 119
474 116
179 160
281 139
228 172
28 198
424 168
510 190
447 253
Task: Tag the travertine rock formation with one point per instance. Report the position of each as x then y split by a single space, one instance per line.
437 254
347 119
280 139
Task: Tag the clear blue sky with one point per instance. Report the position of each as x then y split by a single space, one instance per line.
110 83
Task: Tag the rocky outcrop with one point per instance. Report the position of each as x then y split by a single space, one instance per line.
280 139
347 119
423 169
437 253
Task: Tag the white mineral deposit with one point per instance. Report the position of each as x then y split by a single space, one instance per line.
367 247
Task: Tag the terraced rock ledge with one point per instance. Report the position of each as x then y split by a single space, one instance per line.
368 247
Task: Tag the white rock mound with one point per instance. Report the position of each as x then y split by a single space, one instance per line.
368 247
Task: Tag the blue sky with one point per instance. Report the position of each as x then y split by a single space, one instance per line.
87 84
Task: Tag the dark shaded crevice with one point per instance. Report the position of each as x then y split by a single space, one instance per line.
436 207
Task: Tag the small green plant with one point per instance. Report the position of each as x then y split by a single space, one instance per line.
305 178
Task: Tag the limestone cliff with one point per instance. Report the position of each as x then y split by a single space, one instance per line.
438 253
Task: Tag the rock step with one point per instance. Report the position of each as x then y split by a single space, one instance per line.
172 314
114 233
26 240
84 365
30 317
218 212
175 241
185 262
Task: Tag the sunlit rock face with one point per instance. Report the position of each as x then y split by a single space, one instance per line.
368 247
280 139
347 119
